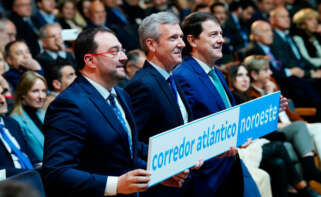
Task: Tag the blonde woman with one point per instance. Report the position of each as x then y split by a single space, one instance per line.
31 94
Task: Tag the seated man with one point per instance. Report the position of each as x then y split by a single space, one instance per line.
14 153
20 60
59 76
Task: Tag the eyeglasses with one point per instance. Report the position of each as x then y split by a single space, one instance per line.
113 52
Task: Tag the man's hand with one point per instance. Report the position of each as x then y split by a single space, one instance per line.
316 74
247 143
198 165
296 71
30 64
133 181
177 180
231 152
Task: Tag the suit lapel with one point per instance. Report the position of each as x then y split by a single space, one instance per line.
204 78
164 86
102 106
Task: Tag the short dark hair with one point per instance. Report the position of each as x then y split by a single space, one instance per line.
85 43
192 25
243 4
9 45
53 71
215 5
199 6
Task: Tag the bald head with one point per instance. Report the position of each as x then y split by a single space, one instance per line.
261 32
280 19
97 13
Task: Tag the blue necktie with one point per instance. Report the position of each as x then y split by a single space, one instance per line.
173 86
22 158
219 87
117 112
275 63
120 15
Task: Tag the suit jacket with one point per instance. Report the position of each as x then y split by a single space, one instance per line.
39 20
155 107
33 135
85 142
44 59
204 100
156 110
6 160
283 52
26 33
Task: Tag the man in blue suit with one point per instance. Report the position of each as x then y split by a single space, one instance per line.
91 147
207 93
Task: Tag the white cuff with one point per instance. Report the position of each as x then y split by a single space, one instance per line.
111 186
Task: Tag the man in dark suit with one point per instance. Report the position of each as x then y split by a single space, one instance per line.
26 29
45 13
292 84
11 135
284 47
53 45
208 93
91 147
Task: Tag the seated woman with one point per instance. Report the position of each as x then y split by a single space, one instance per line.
306 37
31 94
270 156
296 132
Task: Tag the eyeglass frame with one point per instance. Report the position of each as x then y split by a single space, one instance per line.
118 51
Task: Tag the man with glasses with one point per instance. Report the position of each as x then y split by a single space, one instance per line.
91 146
26 29
53 45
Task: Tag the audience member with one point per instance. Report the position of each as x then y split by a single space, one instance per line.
15 154
207 93
45 13
26 29
306 37
8 32
3 66
263 9
135 62
158 102
82 14
274 156
237 27
300 90
285 49
59 76
20 60
97 15
202 8
295 132
30 96
53 45
93 116
67 10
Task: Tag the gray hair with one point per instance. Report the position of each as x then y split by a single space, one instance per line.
149 28
42 31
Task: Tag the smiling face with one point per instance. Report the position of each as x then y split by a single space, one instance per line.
36 95
208 46
242 80
167 51
109 67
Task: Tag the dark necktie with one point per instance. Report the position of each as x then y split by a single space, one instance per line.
117 112
22 158
219 87
275 63
172 85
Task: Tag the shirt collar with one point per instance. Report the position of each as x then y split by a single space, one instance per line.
102 91
265 48
54 55
203 65
162 71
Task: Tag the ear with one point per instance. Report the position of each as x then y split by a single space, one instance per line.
89 61
9 60
253 74
151 44
192 41
56 84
